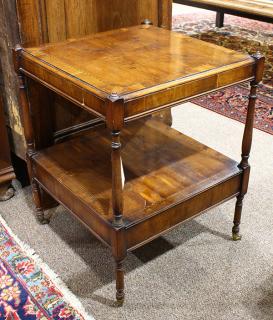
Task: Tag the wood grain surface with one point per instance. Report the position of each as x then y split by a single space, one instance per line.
57 20
144 66
137 58
162 168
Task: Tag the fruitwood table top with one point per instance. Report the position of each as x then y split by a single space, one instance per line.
145 67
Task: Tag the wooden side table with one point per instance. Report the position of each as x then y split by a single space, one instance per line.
135 178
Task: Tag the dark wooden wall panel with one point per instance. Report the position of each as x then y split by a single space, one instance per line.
9 37
55 12
31 22
83 11
56 20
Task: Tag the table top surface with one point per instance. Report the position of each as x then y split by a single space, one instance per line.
162 168
135 59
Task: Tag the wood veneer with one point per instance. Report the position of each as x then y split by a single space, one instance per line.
129 182
151 65
141 70
162 167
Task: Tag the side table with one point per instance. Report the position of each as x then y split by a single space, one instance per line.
135 178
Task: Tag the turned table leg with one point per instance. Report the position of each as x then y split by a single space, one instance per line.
37 197
120 295
246 144
237 218
29 135
118 243
115 114
117 179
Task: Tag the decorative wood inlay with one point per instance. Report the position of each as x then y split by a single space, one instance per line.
131 182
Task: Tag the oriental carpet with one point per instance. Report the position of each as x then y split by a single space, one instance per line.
242 35
26 291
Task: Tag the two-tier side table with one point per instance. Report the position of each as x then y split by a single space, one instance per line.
134 178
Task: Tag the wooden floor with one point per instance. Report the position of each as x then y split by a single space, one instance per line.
162 168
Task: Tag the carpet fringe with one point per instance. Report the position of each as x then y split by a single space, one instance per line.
68 295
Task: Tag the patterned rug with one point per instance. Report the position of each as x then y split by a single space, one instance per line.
242 35
26 291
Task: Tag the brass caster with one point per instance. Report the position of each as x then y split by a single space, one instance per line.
44 221
236 237
119 302
41 218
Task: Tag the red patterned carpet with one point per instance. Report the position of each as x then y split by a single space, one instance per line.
26 291
243 35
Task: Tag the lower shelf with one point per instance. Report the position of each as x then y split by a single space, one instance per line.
169 177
